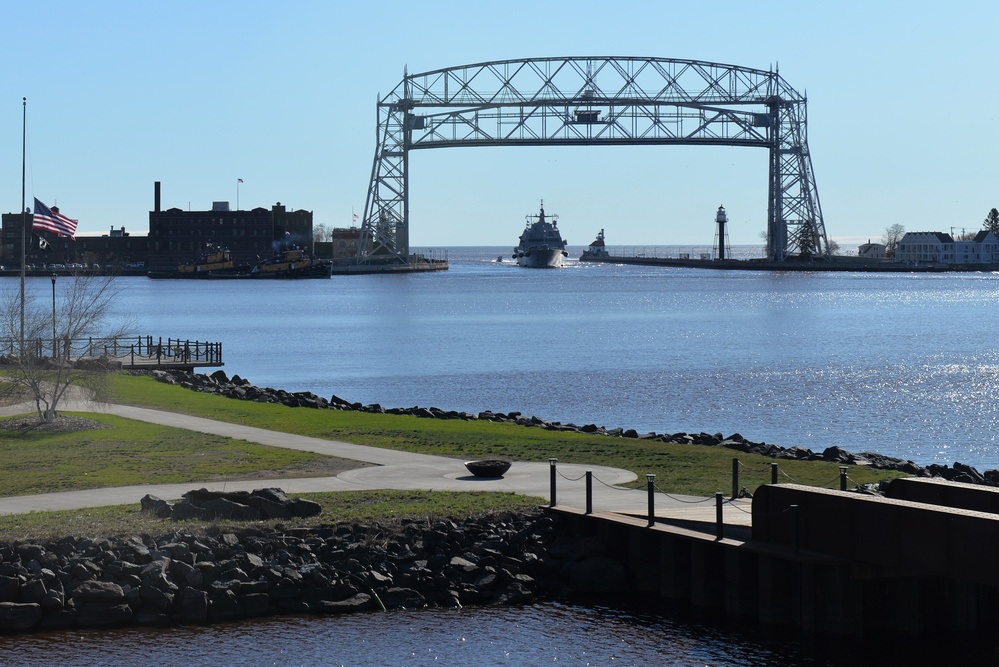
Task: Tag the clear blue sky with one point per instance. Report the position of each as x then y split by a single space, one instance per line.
902 105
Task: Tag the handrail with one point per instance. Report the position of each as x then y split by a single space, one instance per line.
138 350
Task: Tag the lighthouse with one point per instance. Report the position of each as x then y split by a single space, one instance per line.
721 219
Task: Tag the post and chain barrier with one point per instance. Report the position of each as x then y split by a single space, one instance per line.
719 498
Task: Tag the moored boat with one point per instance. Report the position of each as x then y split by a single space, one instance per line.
292 263
541 244
214 260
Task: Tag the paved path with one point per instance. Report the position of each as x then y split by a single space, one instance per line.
391 469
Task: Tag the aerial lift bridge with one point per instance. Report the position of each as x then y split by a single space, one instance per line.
588 101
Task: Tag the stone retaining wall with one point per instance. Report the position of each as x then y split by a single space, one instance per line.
181 578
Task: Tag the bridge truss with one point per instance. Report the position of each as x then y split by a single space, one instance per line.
585 101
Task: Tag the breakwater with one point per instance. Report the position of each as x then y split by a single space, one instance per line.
238 388
187 577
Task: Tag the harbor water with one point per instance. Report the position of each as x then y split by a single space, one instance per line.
901 364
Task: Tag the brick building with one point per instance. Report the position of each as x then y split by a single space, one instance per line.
177 236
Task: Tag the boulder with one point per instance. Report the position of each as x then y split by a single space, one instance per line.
18 617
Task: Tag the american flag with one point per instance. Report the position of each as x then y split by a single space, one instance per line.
48 220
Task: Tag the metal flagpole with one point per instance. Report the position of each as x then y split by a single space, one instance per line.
24 217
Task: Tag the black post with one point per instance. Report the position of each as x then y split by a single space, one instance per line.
794 528
551 464
719 523
589 492
735 478
842 478
652 498
773 473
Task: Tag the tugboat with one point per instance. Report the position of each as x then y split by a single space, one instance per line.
214 260
541 245
292 262
597 249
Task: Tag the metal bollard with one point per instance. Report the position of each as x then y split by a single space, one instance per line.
719 523
652 499
589 492
735 478
842 478
773 473
551 464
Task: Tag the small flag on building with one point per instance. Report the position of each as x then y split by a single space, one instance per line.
43 245
53 221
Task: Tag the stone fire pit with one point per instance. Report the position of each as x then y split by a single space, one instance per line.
488 467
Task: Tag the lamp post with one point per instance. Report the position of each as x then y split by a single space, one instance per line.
55 343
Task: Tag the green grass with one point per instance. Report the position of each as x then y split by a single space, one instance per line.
345 507
132 452
684 469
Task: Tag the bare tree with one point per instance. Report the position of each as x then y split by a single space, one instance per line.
833 247
322 232
992 222
893 234
56 352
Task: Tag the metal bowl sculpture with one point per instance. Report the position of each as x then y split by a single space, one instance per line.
488 467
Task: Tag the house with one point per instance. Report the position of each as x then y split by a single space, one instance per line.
871 250
941 248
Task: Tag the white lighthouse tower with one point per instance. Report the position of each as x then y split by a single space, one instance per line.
721 236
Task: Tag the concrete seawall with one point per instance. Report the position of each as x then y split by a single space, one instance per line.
822 563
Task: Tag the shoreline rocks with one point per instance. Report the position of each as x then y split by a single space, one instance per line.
240 389
186 578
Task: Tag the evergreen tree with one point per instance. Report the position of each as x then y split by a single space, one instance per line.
992 222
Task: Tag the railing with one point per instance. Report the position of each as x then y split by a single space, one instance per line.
129 350
719 497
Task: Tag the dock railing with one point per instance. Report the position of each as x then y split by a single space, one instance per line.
130 351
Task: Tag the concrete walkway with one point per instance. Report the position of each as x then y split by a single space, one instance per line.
390 469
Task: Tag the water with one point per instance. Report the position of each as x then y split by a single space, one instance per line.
526 636
906 365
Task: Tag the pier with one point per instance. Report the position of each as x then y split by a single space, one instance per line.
128 352
919 561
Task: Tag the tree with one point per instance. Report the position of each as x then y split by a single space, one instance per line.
322 232
893 234
992 222
833 247
56 352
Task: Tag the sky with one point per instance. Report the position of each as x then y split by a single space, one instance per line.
197 95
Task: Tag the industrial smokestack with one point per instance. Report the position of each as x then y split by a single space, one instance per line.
156 196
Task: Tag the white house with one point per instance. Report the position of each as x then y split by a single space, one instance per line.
871 250
941 248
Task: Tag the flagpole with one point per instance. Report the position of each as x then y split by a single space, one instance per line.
24 217
237 194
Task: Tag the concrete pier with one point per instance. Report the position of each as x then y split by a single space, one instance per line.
822 563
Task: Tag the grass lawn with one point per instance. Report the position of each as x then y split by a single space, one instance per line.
684 469
129 452
345 507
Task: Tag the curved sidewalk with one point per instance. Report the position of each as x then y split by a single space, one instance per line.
391 469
